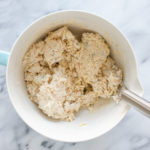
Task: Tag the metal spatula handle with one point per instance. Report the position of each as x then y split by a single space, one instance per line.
136 101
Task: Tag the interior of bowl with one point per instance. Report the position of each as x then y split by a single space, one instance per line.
87 125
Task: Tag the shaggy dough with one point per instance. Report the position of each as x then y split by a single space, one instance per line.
63 75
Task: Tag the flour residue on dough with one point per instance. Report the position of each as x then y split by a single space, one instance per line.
64 75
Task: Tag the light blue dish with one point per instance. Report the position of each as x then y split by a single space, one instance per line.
4 58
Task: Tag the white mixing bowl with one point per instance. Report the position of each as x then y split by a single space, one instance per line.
103 118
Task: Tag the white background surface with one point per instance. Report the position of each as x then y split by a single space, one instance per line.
132 17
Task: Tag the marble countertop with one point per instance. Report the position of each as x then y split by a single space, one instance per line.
132 18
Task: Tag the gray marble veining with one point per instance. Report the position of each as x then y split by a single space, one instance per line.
132 18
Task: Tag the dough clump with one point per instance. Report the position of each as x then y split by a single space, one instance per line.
63 75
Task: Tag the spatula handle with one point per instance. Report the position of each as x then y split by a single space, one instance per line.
136 101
